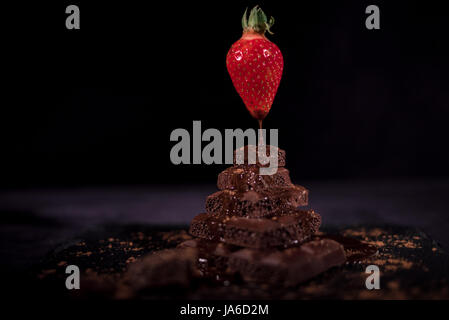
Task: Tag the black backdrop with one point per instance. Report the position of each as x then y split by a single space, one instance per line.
97 105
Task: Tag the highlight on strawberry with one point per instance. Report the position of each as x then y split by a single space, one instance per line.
255 64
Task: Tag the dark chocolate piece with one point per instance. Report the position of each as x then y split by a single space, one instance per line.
241 156
257 204
246 177
163 268
213 256
285 230
355 250
287 267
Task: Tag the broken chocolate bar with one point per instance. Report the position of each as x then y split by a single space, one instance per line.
257 204
285 230
241 156
287 267
246 177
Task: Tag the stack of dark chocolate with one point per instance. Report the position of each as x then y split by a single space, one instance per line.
253 226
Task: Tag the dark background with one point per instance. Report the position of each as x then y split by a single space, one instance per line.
97 105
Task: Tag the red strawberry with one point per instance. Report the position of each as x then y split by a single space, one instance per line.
255 64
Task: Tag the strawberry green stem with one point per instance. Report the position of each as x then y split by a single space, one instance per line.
257 21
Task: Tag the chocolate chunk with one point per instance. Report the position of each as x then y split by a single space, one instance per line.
241 156
287 267
169 267
213 256
256 204
285 230
246 177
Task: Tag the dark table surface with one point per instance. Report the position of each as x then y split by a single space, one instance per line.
33 222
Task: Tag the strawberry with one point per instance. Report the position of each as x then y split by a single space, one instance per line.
255 64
